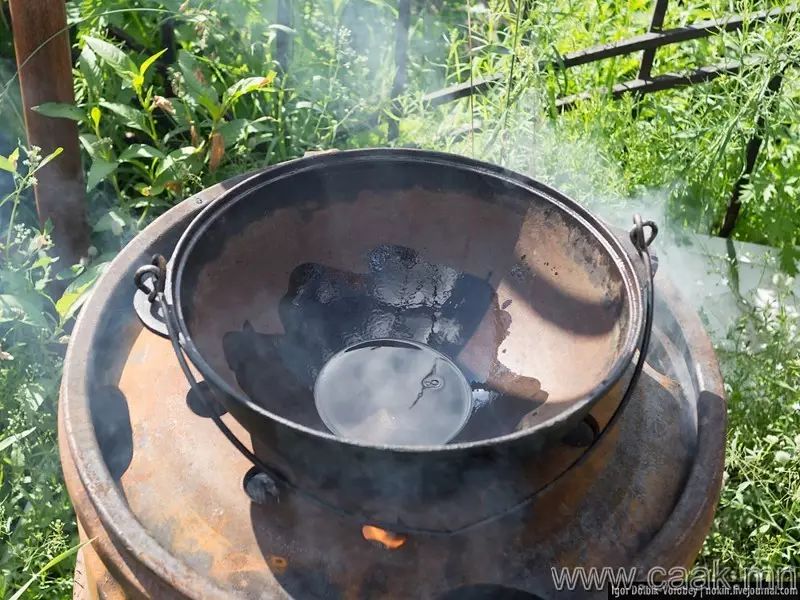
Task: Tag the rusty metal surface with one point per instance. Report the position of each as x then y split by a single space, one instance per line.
176 522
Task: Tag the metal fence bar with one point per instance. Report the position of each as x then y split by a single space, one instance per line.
701 29
659 83
461 90
649 55
751 155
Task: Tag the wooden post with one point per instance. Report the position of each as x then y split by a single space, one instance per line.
41 43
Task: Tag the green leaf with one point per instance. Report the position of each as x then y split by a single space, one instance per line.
70 272
59 110
111 221
13 281
87 63
23 307
135 119
7 442
113 56
96 115
33 394
9 163
786 386
149 62
140 151
174 158
246 86
233 131
90 143
99 170
198 90
78 290
148 191
42 262
52 563
52 156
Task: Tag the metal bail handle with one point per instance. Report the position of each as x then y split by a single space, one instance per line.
151 279
642 243
156 273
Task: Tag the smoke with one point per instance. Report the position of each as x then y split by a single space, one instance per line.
720 279
525 139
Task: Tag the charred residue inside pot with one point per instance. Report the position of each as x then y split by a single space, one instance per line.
389 353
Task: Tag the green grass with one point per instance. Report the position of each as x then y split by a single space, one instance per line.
758 521
36 520
677 152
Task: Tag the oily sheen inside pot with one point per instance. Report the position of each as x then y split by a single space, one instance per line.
518 293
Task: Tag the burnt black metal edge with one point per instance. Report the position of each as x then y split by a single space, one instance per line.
660 82
577 212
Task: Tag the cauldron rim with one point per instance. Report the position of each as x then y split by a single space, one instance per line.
248 186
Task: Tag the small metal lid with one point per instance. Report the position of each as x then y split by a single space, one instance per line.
393 392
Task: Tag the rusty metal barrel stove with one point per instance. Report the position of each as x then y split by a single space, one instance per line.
570 412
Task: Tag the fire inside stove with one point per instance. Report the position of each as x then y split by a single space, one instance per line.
382 537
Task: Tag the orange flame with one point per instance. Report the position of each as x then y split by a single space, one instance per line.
388 539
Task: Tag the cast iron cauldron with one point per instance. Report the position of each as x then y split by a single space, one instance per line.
537 302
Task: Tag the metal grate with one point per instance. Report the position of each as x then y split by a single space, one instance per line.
648 43
646 83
